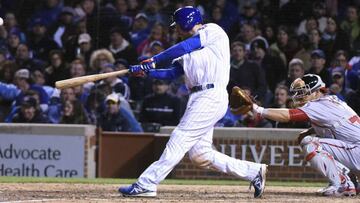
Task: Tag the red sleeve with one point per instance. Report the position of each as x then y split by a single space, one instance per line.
298 115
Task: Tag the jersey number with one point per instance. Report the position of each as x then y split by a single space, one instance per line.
354 119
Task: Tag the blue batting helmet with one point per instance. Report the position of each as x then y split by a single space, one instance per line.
186 17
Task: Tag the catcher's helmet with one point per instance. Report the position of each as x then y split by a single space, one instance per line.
301 87
186 17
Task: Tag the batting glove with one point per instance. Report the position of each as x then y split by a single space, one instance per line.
148 64
136 71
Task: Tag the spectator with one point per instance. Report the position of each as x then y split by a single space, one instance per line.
40 42
38 78
318 61
77 69
282 47
318 13
84 48
22 82
218 17
121 7
140 29
244 73
160 107
249 14
122 64
314 37
120 47
351 23
273 66
63 33
73 113
307 25
113 119
23 59
29 112
118 86
56 102
7 71
99 59
151 9
269 34
13 42
296 70
304 52
58 69
158 33
334 39
49 13
280 97
12 26
338 86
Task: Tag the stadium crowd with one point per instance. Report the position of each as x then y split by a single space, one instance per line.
272 43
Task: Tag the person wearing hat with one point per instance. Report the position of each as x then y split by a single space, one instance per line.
29 112
120 47
11 92
140 29
275 70
318 62
40 42
338 83
64 31
116 118
249 14
116 83
84 47
160 106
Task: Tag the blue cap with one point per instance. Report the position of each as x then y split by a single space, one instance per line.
186 17
318 53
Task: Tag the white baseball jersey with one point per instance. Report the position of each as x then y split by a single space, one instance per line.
333 118
211 64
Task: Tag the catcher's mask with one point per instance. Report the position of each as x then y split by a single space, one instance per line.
305 86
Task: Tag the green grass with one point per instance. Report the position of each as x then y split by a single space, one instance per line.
4 179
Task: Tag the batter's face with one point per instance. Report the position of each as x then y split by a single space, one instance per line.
182 34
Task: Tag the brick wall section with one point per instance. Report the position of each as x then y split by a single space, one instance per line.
186 170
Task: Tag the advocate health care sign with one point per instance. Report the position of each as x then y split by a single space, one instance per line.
41 155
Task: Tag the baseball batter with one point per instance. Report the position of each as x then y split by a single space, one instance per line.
204 58
336 148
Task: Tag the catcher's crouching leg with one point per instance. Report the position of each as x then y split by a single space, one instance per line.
324 162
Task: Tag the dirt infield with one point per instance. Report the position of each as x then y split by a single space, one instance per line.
54 192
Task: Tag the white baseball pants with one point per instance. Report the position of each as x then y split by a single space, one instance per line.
194 135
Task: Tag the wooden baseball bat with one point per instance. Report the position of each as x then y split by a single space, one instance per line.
62 84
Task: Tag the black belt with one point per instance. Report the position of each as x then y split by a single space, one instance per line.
201 87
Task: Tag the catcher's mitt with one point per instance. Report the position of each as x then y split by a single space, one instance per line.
240 102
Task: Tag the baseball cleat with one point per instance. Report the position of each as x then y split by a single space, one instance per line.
259 181
345 189
355 180
135 190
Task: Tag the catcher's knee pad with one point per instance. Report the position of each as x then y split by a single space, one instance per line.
202 160
311 146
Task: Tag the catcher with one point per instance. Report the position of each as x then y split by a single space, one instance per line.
335 148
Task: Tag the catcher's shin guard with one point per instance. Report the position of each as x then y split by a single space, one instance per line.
321 160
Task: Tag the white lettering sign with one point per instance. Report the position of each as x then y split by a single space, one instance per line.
41 155
275 153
